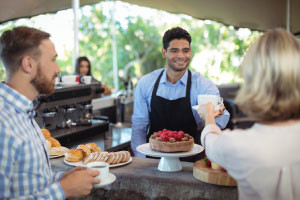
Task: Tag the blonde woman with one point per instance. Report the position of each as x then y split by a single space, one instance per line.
264 159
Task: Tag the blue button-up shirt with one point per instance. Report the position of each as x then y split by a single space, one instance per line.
25 171
167 90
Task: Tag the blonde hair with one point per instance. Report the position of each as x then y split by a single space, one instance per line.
271 72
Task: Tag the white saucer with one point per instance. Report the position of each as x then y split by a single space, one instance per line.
109 180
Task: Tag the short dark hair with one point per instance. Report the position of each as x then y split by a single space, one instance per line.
78 61
175 33
18 42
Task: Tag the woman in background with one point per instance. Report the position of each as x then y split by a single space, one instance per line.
263 159
83 68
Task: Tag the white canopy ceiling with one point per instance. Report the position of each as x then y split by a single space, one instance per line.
254 14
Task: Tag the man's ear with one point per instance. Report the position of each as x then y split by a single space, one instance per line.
163 52
27 64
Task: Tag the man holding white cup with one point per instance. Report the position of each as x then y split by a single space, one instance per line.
165 98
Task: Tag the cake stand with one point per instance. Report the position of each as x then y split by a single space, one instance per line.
169 162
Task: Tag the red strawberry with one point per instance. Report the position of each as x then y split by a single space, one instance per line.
177 137
207 162
159 133
164 130
181 134
171 134
223 169
165 138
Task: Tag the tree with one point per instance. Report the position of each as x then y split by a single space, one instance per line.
138 44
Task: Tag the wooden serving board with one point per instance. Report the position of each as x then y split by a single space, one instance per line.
209 175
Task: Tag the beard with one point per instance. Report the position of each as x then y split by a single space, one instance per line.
41 82
175 68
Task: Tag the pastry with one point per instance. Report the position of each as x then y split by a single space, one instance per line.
89 158
86 150
125 157
54 142
93 147
111 158
46 133
74 155
171 141
54 151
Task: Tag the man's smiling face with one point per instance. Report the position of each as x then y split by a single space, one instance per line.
178 54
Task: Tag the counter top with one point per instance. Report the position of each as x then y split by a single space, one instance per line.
141 179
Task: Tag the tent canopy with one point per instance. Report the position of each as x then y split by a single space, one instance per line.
255 14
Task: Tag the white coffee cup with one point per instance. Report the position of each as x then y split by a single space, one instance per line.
214 99
103 169
57 80
70 79
86 79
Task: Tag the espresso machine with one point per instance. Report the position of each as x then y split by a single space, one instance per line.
68 111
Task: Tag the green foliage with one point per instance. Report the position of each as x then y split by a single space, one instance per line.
217 49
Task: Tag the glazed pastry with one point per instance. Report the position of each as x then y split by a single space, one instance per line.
86 150
93 147
54 142
89 158
46 133
111 157
74 155
115 160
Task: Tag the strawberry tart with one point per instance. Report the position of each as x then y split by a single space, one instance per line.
171 141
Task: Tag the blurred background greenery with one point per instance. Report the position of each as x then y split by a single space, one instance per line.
217 49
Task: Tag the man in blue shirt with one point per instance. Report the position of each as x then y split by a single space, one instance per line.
29 58
164 98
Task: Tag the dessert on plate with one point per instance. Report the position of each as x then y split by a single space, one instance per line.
54 146
91 152
171 141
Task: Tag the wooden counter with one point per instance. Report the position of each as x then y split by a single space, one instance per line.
141 180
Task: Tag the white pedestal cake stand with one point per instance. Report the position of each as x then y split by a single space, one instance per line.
169 162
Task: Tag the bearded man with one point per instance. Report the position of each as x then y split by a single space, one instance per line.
29 58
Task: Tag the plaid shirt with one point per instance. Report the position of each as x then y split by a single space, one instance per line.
25 171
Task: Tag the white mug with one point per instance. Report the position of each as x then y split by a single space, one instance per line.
103 169
86 79
70 79
214 99
57 80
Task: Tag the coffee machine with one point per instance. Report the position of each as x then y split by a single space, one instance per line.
69 110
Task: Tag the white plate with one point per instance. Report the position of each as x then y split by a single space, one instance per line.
109 180
197 106
145 149
169 162
80 163
60 155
